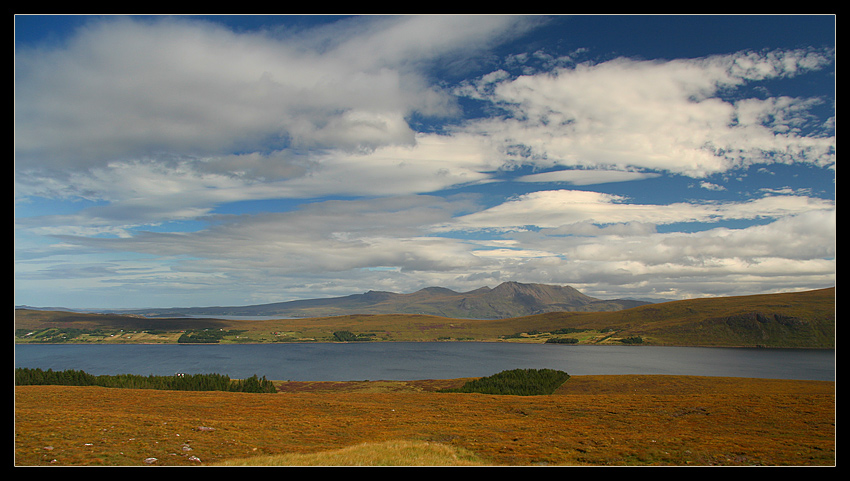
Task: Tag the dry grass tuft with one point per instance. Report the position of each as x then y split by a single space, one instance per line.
387 453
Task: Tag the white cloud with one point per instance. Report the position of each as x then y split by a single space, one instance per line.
663 116
391 243
586 177
711 186
180 98
327 236
801 237
558 208
434 163
791 253
134 194
126 90
165 120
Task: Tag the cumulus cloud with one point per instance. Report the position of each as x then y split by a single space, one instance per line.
668 116
196 101
126 89
165 120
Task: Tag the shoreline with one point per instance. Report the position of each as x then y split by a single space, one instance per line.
565 346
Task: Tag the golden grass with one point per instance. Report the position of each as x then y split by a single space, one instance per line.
590 420
387 453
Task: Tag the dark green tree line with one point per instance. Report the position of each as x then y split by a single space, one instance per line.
348 336
184 382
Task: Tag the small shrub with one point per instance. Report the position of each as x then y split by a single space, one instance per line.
348 336
562 340
632 340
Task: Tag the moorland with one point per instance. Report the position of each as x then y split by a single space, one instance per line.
588 421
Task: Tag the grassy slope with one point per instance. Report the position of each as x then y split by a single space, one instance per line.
804 319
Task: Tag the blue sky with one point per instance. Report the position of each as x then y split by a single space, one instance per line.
228 160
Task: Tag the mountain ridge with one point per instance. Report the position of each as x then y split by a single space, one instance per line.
508 299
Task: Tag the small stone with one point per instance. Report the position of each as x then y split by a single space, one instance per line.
150 460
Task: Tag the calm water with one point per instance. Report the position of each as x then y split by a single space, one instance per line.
411 361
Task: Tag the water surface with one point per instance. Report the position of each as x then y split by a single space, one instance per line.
423 360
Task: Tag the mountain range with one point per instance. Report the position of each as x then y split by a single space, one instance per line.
509 299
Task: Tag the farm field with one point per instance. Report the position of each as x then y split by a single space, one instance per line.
589 421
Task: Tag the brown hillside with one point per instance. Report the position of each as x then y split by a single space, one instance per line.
800 319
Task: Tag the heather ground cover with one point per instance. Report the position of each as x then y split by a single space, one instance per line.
589 420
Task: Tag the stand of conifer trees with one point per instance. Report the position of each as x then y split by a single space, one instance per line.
517 382
183 382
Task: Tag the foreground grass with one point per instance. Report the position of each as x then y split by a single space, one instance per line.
590 420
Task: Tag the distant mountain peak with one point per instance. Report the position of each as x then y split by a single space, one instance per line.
542 290
508 299
437 290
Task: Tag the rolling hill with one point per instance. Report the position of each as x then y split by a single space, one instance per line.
794 320
509 299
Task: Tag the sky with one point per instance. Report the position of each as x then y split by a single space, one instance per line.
184 161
